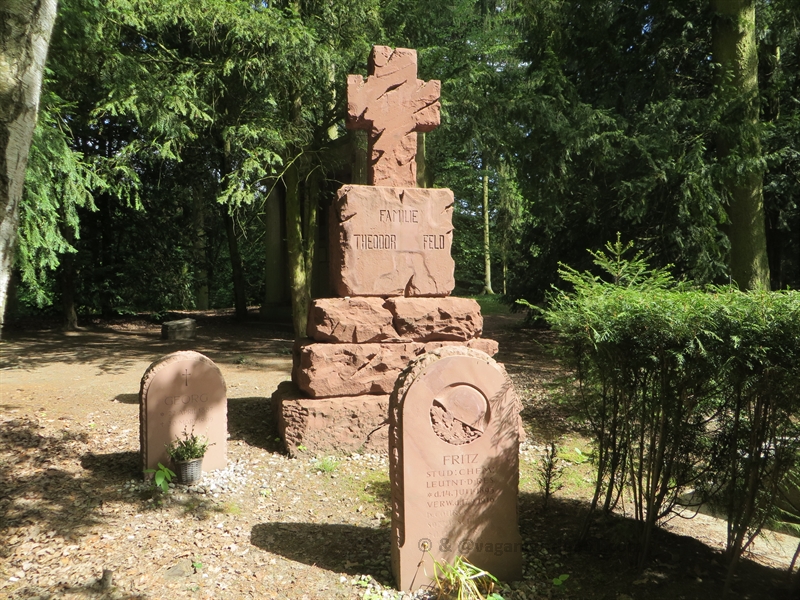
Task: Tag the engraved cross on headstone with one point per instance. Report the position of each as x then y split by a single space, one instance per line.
392 105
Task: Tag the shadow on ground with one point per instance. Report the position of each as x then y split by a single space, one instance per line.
250 420
34 488
113 467
382 490
117 343
340 548
34 491
127 398
604 566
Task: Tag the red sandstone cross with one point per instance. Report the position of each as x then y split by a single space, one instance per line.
392 105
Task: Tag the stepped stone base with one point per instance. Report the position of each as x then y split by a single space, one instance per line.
343 424
363 320
325 370
350 321
436 319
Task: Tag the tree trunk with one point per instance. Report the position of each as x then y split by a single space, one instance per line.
487 256
791 568
424 179
68 275
239 291
12 302
24 38
735 51
199 250
301 225
360 157
68 292
275 261
298 276
771 109
310 228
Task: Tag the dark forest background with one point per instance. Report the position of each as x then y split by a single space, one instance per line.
186 152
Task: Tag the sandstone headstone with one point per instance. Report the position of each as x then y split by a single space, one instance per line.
454 467
182 329
388 241
325 370
392 105
429 319
183 391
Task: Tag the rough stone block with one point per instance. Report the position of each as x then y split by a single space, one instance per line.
350 320
351 369
429 319
182 329
341 424
327 370
388 241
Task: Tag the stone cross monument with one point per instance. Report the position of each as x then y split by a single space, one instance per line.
390 268
392 105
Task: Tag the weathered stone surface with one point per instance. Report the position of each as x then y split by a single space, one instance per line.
454 467
392 105
182 329
392 242
351 369
327 370
330 424
486 345
350 320
429 319
183 391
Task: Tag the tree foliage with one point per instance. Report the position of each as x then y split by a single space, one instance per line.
171 123
24 38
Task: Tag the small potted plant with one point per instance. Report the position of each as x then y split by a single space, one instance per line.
187 454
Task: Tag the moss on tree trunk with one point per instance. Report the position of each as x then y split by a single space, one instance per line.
736 54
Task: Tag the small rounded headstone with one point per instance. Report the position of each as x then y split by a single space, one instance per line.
183 391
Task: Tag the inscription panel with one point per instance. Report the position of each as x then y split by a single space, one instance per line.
392 241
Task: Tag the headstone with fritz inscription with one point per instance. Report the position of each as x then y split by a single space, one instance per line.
183 391
454 467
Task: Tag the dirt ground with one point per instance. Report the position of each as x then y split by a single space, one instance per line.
311 527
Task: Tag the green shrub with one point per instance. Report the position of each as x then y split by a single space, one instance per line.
683 388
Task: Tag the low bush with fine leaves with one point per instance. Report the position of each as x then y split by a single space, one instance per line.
684 389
